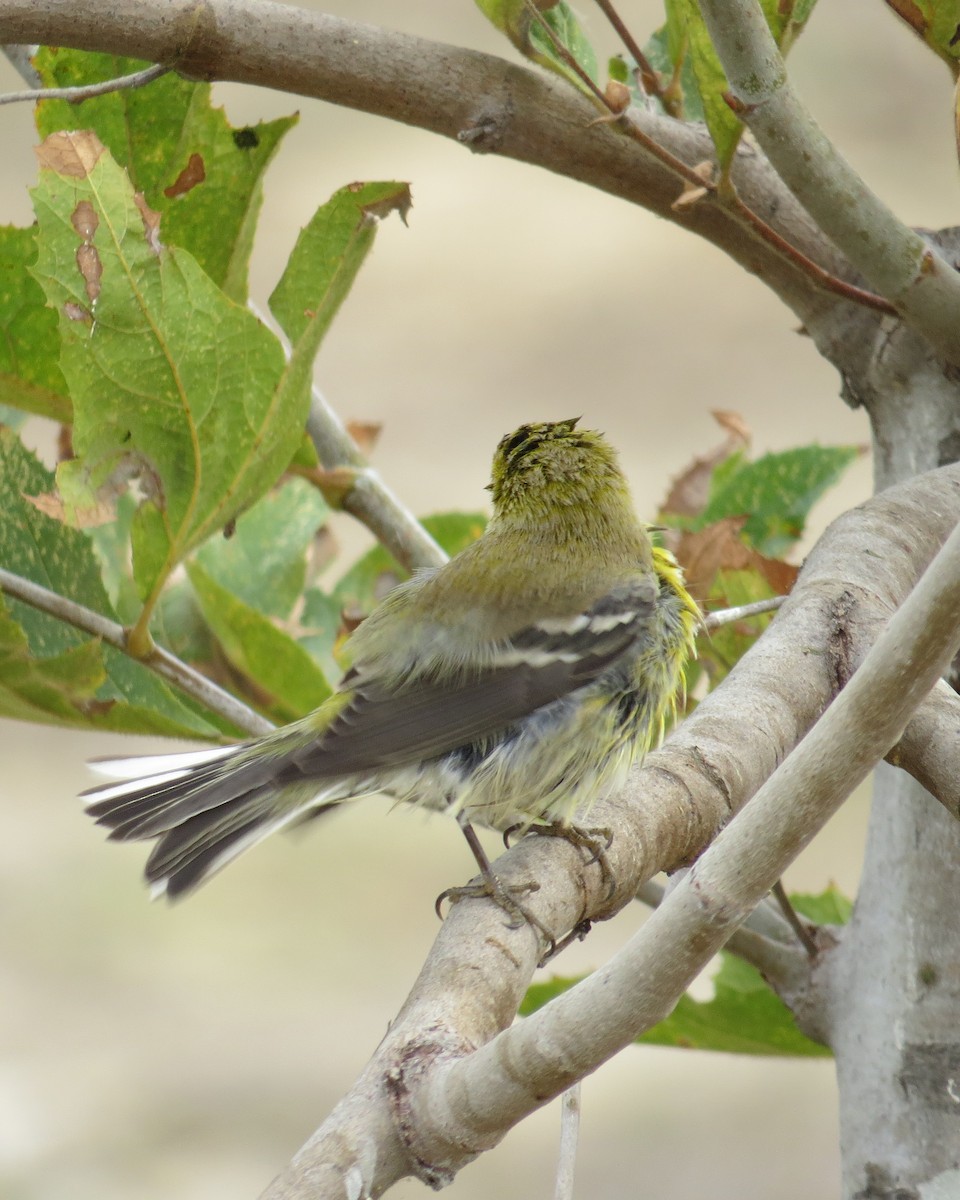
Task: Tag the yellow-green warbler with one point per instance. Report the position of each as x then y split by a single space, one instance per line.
514 684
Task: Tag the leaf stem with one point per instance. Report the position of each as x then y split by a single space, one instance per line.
725 194
648 75
158 660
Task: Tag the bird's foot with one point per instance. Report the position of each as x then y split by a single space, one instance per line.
595 840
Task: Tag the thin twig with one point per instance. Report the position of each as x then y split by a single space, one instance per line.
160 661
830 283
779 893
726 196
765 940
136 79
649 76
569 1140
740 612
368 498
565 54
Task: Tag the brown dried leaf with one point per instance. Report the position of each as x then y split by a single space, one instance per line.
690 196
71 153
617 96
779 574
690 489
334 484
365 433
692 193
734 424
719 548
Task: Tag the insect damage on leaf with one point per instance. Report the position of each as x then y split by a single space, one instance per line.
91 269
192 174
85 221
151 223
246 139
399 201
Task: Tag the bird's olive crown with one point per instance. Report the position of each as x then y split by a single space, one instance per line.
554 459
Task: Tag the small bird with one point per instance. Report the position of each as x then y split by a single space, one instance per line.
513 685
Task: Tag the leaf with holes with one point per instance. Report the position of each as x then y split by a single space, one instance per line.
170 379
201 174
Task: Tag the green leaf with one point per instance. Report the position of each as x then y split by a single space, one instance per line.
264 561
372 576
726 645
688 42
329 252
30 377
178 624
569 33
937 22
111 544
202 175
777 492
520 24
743 1017
50 671
170 379
830 907
322 616
270 658
57 689
666 53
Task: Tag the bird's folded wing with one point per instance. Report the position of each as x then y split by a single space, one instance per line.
539 664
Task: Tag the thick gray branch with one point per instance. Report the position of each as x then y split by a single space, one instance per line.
396 1120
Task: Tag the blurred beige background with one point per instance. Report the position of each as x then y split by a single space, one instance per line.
187 1052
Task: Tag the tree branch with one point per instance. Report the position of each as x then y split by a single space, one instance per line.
764 940
368 498
897 262
929 748
482 101
160 661
428 1071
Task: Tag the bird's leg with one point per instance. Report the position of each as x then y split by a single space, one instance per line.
493 888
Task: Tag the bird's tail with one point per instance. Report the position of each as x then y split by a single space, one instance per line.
203 807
